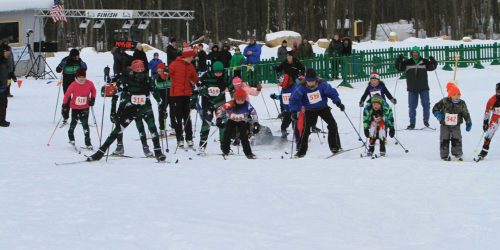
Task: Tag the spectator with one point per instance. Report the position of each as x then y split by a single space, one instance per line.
333 51
202 59
305 50
172 51
214 55
4 76
252 52
346 47
236 61
154 63
225 56
282 51
141 55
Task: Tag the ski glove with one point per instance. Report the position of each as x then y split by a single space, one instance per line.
341 106
468 126
256 128
92 102
486 123
439 116
220 123
274 96
13 76
394 101
294 116
65 111
392 132
367 133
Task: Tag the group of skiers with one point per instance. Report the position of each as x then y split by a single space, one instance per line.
303 99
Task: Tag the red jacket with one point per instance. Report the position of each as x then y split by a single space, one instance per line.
183 76
80 94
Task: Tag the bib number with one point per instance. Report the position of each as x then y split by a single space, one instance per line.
81 100
451 119
286 98
237 117
375 92
314 97
138 99
213 91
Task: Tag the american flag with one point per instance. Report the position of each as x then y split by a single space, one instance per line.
57 12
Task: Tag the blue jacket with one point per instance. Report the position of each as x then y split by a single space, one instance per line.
287 94
153 64
380 89
255 57
316 98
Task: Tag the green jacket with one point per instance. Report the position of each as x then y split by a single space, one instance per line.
446 106
214 88
386 112
237 60
132 84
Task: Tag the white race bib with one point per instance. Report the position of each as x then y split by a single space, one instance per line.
286 98
81 100
451 119
375 92
496 111
314 97
213 91
138 99
237 117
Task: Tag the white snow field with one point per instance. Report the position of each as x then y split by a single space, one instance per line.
402 201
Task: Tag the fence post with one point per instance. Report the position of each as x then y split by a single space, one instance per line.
461 63
495 54
478 65
447 58
345 73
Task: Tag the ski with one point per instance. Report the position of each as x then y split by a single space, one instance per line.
87 148
78 151
343 151
478 159
69 163
373 156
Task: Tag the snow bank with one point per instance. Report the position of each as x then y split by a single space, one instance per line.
13 5
276 38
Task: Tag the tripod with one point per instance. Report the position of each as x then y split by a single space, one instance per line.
35 61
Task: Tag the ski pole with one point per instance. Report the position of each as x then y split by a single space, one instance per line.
54 131
403 147
187 120
95 123
323 129
277 109
265 104
57 103
210 136
360 120
479 142
294 127
354 127
102 117
439 82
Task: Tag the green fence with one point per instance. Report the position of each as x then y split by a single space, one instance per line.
357 67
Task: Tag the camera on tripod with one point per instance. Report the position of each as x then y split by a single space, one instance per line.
29 32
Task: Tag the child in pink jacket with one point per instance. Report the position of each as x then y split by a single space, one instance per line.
239 84
80 96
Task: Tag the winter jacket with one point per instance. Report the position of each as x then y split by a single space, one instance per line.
214 56
294 70
121 60
161 83
202 61
254 58
334 48
313 99
153 64
416 73
225 57
285 95
69 66
385 113
183 76
80 94
213 88
4 73
492 107
346 50
304 51
446 107
238 113
141 55
172 54
237 60
282 53
380 89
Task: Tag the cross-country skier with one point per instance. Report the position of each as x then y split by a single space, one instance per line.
80 96
288 86
135 103
237 115
450 112
377 118
376 86
162 94
491 121
313 95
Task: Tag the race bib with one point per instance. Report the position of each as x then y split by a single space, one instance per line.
286 98
237 117
81 100
375 92
314 97
213 91
139 99
451 119
496 111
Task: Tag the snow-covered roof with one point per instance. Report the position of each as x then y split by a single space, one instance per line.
12 5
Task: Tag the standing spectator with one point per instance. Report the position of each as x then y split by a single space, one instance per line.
282 51
121 60
172 51
225 56
69 66
141 55
154 63
4 76
214 55
417 83
236 61
202 59
252 52
295 47
333 51
305 50
346 47
291 67
12 75
183 76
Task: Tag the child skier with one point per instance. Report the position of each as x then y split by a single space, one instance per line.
213 85
377 117
491 121
161 94
135 103
287 85
376 86
79 96
313 95
450 112
237 115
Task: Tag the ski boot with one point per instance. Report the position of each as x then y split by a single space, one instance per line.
203 146
88 147
299 155
180 144
72 142
236 142
382 147
119 150
335 150
190 143
4 124
446 158
96 156
160 157
146 151
426 124
251 156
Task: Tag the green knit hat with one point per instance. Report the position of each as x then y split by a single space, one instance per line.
218 67
416 48
377 99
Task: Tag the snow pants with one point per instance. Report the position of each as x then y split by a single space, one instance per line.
494 124
311 117
83 116
378 131
181 112
231 128
3 106
207 115
451 134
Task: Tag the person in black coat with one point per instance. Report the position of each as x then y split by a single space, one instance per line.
292 66
214 55
172 51
202 59
346 49
4 77
121 60
141 55
225 56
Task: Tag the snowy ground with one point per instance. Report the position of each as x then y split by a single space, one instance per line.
404 201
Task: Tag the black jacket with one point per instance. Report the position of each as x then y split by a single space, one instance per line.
416 73
334 48
293 70
172 54
202 61
214 56
141 55
225 57
121 61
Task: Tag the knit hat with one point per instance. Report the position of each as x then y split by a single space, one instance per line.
81 72
188 52
137 66
416 48
374 75
237 82
4 47
156 54
161 66
240 94
218 67
452 89
311 75
74 52
377 99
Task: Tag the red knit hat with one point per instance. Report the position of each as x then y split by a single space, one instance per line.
285 81
161 66
240 94
375 75
81 72
452 89
137 66
188 52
